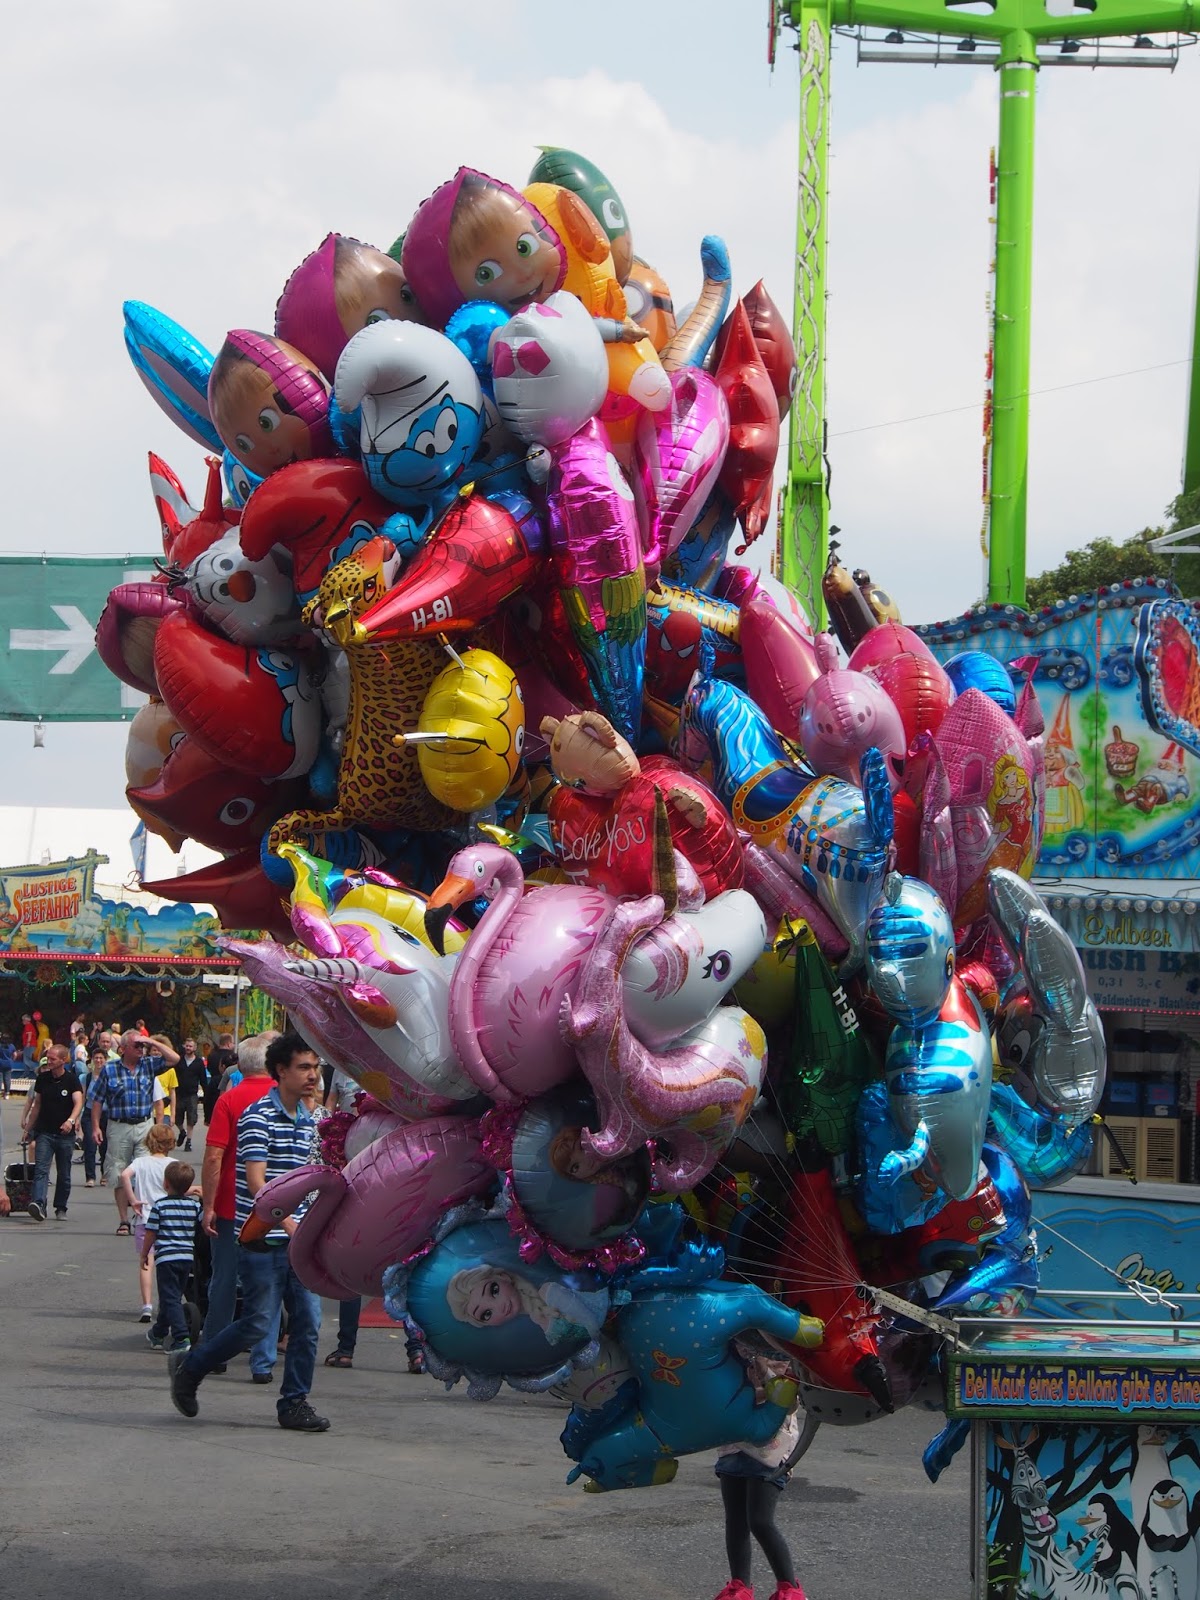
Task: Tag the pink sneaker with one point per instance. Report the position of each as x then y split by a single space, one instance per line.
735 1589
789 1591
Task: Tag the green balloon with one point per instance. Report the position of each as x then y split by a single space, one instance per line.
584 178
830 1061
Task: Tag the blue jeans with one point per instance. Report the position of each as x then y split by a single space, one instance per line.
6 1078
59 1148
90 1149
172 1277
222 1286
268 1283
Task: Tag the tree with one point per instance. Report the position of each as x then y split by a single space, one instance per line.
1105 562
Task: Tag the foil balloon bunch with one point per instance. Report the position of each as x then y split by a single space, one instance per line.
687 965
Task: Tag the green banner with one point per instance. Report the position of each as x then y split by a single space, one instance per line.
49 608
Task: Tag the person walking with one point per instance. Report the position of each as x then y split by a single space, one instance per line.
218 1183
274 1136
171 1237
144 1182
8 1062
125 1089
92 1149
192 1075
28 1041
221 1057
52 1115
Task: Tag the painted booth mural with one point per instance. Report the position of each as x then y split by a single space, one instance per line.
54 907
1118 677
1079 1512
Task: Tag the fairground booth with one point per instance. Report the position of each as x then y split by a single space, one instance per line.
1118 677
79 938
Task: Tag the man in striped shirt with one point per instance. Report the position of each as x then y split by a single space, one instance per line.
274 1136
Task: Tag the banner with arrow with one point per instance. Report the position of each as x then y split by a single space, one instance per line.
49 608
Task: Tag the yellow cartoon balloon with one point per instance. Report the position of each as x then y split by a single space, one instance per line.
471 731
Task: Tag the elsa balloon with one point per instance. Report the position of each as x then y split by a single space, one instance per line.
490 1317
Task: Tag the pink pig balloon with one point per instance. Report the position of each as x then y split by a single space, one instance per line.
677 454
781 662
843 715
378 1209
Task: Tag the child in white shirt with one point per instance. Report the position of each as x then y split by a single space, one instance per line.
144 1183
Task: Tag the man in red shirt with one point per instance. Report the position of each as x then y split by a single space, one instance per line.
218 1177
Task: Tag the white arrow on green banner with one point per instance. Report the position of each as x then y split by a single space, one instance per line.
49 608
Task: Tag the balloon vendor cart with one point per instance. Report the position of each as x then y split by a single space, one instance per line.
1085 1453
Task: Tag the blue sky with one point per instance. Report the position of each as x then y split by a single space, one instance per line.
190 156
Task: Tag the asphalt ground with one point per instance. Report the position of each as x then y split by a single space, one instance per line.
106 1493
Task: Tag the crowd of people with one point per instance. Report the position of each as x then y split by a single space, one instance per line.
223 1276
129 1104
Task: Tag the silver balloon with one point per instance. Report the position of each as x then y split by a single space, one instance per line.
1067 1058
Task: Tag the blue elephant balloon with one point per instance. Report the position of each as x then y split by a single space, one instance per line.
910 951
889 1200
975 669
1046 1148
693 1392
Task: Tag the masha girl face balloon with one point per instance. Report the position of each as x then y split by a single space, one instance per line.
335 292
477 239
268 402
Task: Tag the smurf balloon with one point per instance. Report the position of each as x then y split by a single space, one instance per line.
421 411
269 404
477 239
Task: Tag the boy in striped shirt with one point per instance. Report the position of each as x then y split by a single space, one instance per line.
171 1235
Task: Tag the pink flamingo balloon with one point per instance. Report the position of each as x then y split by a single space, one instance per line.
525 955
378 1209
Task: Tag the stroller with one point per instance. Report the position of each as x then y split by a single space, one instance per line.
18 1181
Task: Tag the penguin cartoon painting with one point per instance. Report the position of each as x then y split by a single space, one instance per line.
1167 1559
1114 1545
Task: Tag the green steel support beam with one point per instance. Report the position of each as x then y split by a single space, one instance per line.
804 514
1191 449
1013 302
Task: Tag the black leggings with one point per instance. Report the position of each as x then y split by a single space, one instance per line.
750 1510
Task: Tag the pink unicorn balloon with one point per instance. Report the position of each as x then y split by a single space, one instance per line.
380 1208
677 454
694 1095
527 954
